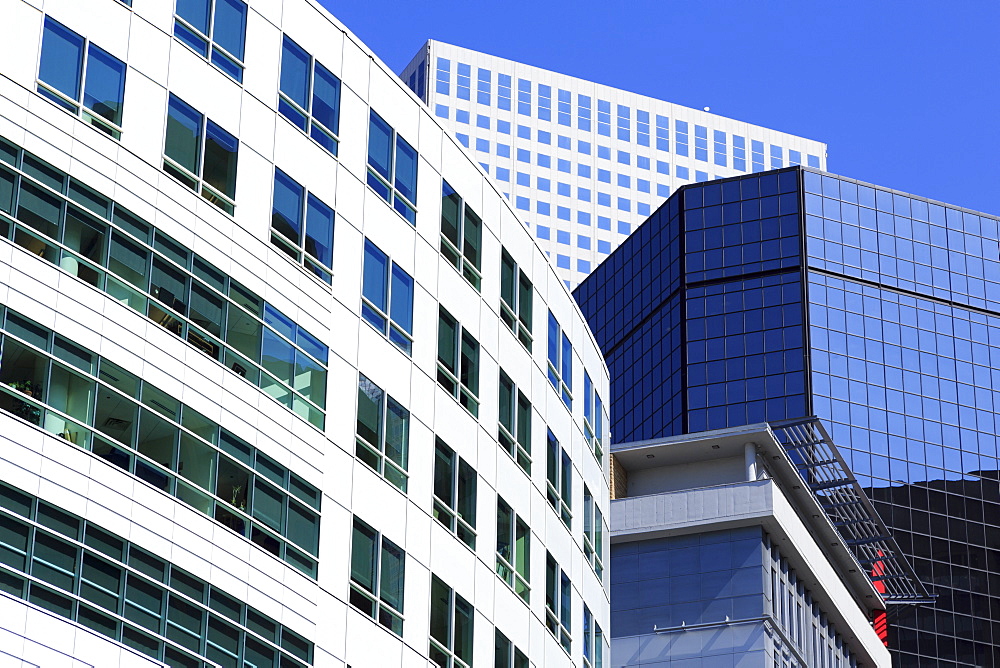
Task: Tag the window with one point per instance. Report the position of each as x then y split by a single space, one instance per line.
130 595
583 109
593 641
82 78
514 431
681 137
464 81
516 299
216 29
387 297
383 433
700 143
455 493
392 168
443 76
377 574
513 550
560 362
593 418
309 96
558 602
461 235
302 226
503 94
458 362
506 654
451 627
559 479
593 532
200 154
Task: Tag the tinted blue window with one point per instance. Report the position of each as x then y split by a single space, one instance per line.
642 162
441 110
583 218
682 172
462 116
624 158
544 160
564 142
604 247
62 59
524 204
463 139
544 137
583 147
563 165
483 122
105 87
503 127
543 232
503 150
604 152
543 184
624 204
604 199
603 222
524 132
503 174
583 171
583 266
562 237
604 176
642 185
562 261
562 213
542 208
583 194
583 242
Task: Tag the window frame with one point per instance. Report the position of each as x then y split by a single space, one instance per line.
559 480
560 369
208 51
298 253
515 442
558 610
371 312
197 181
78 106
307 122
447 649
462 481
451 374
387 185
516 570
506 654
459 258
593 640
593 533
593 418
397 473
519 317
379 609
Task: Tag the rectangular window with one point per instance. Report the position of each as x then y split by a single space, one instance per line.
200 154
524 97
794 158
777 157
583 111
454 493
662 133
514 431
309 95
560 353
604 118
377 577
513 550
516 299
463 87
392 168
721 150
503 92
302 226
701 143
544 102
387 297
739 153
216 29
506 654
458 362
564 108
383 433
443 76
82 78
593 641
593 533
451 627
461 235
593 418
681 138
624 123
642 127
558 479
558 602
757 155
484 85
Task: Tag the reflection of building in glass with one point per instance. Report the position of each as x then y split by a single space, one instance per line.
274 388
720 554
798 293
583 163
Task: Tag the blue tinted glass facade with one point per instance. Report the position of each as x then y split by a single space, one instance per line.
795 293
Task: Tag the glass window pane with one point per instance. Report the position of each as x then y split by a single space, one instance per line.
326 99
129 260
447 340
406 170
451 212
220 160
379 145
440 611
62 59
295 73
229 30
363 555
375 276
319 231
391 575
277 356
506 402
397 433
508 279
463 629
469 375
268 504
286 214
39 209
402 299
444 474
467 493
473 236
370 398
183 144
105 88
194 12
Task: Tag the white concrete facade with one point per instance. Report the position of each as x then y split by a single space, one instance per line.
583 182
50 468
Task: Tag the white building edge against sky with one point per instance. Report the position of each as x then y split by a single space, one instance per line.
272 363
583 163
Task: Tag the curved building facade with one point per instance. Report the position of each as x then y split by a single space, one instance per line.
284 381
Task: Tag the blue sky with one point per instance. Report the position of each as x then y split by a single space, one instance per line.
905 94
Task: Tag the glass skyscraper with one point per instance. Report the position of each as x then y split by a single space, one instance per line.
795 293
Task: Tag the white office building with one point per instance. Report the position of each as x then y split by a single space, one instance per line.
583 163
284 380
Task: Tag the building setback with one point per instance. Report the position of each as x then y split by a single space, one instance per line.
583 163
274 382
797 293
